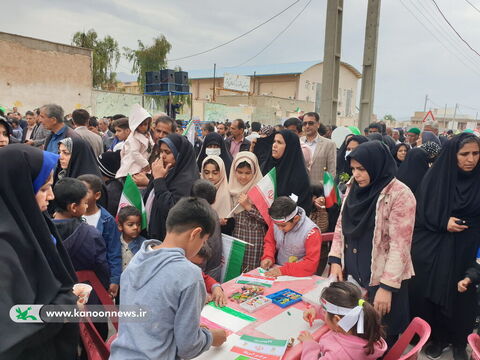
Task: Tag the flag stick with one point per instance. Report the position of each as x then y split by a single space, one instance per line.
233 210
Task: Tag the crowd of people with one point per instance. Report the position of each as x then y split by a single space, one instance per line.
406 233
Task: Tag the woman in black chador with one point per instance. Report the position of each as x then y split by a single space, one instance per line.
445 242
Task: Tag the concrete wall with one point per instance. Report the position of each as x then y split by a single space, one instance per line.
35 72
107 103
266 109
278 85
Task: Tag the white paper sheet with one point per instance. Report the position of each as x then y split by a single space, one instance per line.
221 352
284 326
292 278
223 319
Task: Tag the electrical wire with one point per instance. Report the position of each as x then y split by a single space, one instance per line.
276 37
473 6
440 41
236 38
453 28
437 25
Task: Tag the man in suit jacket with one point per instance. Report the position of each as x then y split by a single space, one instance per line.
80 119
237 141
324 150
51 116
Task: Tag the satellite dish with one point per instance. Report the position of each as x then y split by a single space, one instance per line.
339 135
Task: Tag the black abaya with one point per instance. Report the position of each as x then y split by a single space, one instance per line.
413 168
292 176
217 139
440 257
34 266
177 184
82 162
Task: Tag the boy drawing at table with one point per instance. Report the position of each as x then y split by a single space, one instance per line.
293 242
160 279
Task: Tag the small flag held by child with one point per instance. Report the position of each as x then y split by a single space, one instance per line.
131 196
332 196
264 193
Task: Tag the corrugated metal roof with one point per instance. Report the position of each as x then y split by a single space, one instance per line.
264 70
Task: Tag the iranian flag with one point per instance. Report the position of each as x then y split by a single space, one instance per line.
332 196
131 196
263 194
233 251
189 132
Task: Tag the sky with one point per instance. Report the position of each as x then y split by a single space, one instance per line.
418 53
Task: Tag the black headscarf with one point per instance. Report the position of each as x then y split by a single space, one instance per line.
345 165
33 268
446 191
358 216
8 128
263 147
83 160
375 136
292 176
428 136
178 184
413 168
210 139
341 161
395 151
388 140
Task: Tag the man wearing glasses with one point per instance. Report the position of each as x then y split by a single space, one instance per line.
323 149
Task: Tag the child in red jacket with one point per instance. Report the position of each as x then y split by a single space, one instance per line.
214 288
293 242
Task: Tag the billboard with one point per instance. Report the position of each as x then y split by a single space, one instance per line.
236 82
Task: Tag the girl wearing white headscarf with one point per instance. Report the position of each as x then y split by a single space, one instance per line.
213 170
250 226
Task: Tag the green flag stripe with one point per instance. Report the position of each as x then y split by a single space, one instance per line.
257 340
233 312
273 177
234 261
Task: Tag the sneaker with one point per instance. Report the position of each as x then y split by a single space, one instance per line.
435 349
459 353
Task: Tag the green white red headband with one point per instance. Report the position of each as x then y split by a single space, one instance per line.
287 218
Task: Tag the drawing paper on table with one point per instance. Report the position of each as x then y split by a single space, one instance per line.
260 348
221 352
223 319
292 278
285 326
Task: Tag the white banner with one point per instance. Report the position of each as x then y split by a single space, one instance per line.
236 82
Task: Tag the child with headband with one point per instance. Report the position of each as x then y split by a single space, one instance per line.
293 241
355 327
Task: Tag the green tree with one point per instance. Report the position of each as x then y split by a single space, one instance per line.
106 55
148 58
388 117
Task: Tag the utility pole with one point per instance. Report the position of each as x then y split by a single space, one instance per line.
454 115
214 80
425 105
369 63
445 118
331 62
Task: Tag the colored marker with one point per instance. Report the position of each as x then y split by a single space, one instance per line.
310 318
